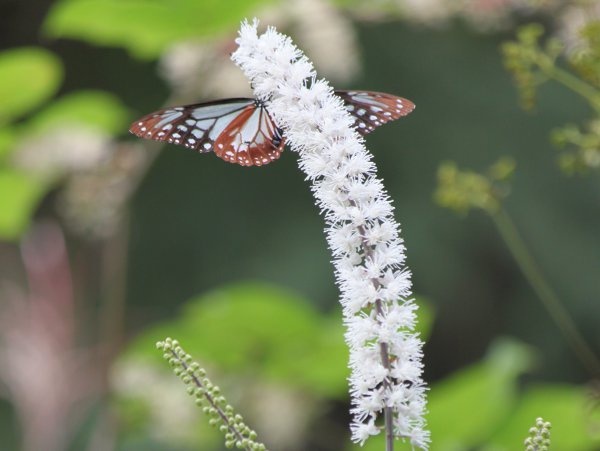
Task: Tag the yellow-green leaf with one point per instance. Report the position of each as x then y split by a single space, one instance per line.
466 408
19 195
97 109
28 77
146 28
571 409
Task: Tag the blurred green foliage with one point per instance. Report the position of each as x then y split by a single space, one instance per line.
98 109
19 195
158 24
466 408
28 77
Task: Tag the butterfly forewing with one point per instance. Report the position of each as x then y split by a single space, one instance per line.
372 109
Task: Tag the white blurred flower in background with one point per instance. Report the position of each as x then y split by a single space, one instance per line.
572 20
197 69
56 151
171 417
93 202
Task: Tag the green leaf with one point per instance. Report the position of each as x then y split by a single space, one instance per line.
19 195
570 410
467 407
260 329
7 140
28 77
146 27
425 316
93 108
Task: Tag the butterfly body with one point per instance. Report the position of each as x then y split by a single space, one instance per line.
241 130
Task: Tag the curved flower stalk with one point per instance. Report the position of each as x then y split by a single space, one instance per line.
385 352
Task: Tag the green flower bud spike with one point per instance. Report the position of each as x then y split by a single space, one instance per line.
539 436
208 396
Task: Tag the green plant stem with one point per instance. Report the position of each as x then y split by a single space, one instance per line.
543 290
574 83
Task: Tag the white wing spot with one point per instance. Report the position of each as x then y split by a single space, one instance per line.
207 145
190 122
183 128
176 135
168 127
361 112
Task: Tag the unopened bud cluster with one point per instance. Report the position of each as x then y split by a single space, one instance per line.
529 61
462 190
539 436
208 396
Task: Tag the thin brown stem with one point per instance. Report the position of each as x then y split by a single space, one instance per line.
387 411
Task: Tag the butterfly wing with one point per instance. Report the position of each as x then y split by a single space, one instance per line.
237 130
251 138
372 109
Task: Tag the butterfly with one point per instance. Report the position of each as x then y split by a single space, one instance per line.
241 130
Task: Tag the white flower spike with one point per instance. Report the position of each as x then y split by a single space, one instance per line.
385 352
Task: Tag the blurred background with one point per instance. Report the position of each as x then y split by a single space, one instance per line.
109 243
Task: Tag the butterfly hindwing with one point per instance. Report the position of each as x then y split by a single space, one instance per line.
250 139
372 109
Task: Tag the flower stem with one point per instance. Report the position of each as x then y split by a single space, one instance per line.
572 82
549 299
387 411
388 417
